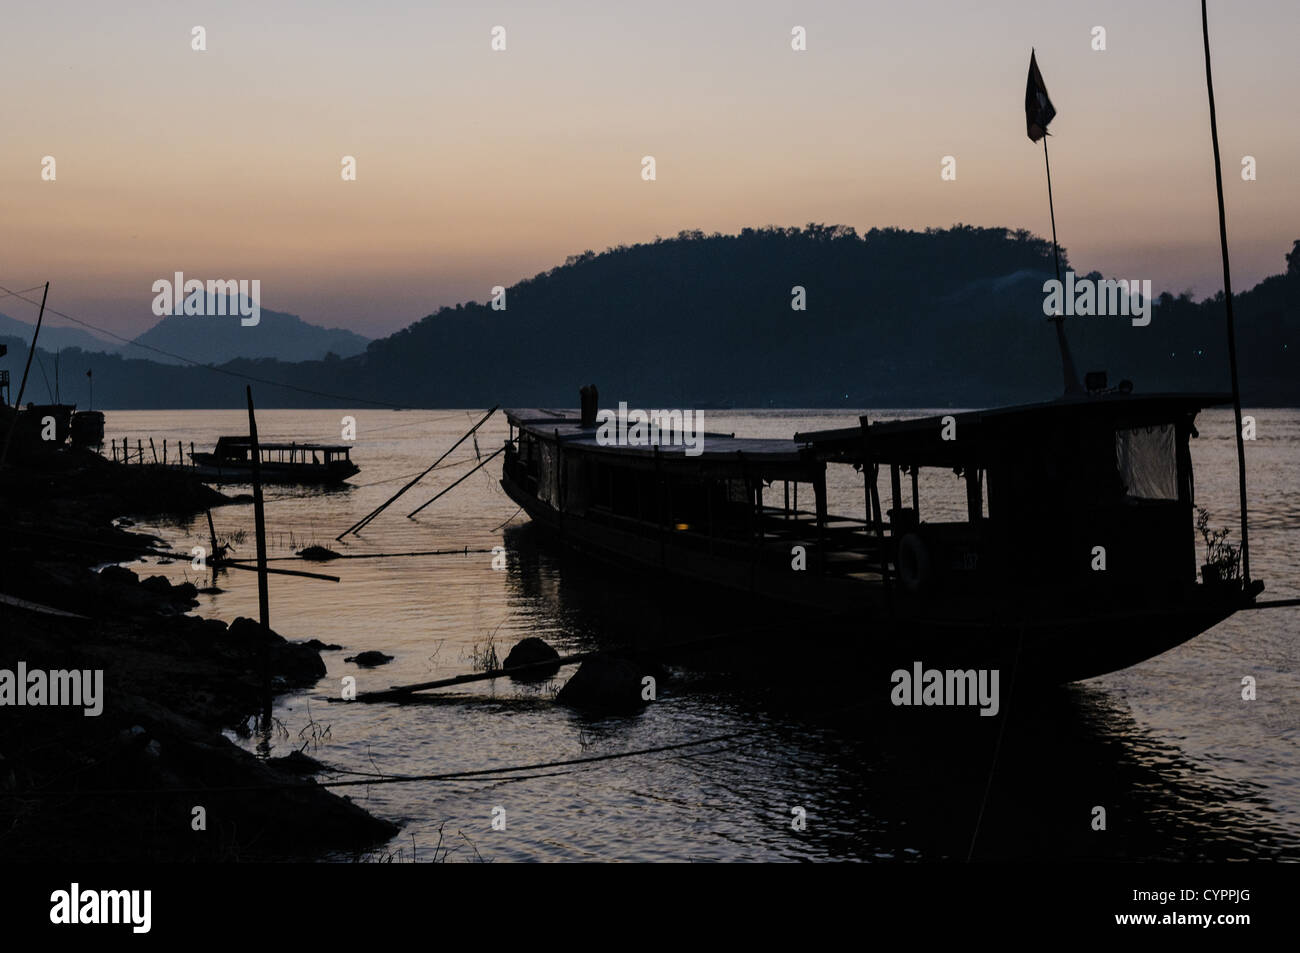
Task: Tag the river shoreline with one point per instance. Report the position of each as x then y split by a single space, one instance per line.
152 777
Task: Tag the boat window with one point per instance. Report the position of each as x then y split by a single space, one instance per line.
1147 463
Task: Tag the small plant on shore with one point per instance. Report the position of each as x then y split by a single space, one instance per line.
229 543
313 733
1221 557
473 847
484 658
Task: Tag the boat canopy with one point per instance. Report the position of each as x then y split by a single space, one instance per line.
981 437
234 450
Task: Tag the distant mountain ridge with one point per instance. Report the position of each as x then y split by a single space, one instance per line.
206 339
893 318
54 338
216 339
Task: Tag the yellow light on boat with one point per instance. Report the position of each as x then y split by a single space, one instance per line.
682 527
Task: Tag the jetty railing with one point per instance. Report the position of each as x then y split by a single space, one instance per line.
173 453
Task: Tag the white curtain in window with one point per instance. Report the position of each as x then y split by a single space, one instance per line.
1147 462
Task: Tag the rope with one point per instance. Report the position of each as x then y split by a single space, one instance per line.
997 748
509 773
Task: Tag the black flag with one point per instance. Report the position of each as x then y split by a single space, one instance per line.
1039 110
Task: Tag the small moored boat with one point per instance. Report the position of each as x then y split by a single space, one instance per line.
231 461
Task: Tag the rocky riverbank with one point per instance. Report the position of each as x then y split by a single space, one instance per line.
151 776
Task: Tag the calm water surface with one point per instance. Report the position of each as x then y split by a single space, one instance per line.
1183 766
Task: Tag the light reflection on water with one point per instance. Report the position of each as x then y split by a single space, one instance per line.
1184 767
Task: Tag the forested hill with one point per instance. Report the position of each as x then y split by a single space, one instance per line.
892 318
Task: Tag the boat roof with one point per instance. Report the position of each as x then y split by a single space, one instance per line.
715 446
920 439
916 440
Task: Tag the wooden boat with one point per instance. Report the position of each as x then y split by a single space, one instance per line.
1076 556
301 463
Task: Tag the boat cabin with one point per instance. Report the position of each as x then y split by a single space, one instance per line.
1085 495
1095 493
231 461
237 452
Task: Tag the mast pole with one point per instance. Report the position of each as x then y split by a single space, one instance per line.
1067 361
22 386
1227 300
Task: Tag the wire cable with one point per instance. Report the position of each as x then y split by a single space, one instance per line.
211 367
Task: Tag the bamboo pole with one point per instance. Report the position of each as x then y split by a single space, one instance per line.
1227 300
486 461
463 551
397 691
280 572
355 527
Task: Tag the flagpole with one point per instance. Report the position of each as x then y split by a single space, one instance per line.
1051 206
1227 300
1067 361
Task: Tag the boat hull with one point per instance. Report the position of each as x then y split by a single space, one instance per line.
206 468
1036 644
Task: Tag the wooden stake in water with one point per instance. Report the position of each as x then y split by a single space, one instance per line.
212 541
259 528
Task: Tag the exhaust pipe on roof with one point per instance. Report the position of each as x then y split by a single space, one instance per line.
589 398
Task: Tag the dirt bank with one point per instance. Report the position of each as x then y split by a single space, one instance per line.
125 784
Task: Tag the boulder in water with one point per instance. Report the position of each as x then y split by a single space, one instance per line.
318 554
532 651
369 659
606 684
320 646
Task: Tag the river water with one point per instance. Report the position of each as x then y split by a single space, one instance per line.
1182 766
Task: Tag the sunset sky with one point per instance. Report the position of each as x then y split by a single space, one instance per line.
477 168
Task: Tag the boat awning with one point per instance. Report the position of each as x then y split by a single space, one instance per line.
960 438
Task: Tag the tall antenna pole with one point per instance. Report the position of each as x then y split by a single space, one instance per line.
1227 300
31 352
